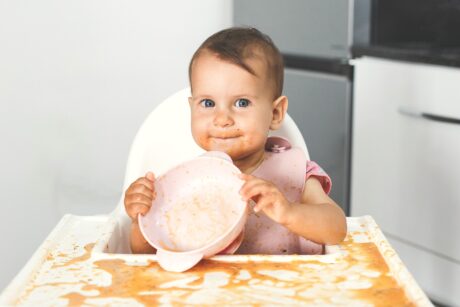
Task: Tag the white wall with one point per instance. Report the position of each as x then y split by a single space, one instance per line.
77 78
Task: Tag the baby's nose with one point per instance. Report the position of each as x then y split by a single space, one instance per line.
223 119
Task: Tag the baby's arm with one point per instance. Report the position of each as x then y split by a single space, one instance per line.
316 217
138 199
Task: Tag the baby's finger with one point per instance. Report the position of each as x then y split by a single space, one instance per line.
131 199
250 180
141 189
144 181
136 209
261 204
253 188
150 176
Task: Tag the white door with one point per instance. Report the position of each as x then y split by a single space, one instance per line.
406 165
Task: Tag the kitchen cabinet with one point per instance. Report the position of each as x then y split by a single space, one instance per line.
320 105
406 165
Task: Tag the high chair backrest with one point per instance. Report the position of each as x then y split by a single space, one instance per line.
165 138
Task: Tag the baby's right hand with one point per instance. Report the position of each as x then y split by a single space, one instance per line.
139 196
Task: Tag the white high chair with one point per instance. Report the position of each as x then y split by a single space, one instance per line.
84 258
165 139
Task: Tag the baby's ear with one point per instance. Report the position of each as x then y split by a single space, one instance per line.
280 106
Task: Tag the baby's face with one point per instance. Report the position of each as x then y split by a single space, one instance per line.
231 109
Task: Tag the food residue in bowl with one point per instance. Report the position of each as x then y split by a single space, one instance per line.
193 222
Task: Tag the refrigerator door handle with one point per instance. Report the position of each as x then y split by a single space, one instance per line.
442 119
428 116
409 112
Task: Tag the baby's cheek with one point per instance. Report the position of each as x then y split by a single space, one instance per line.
203 142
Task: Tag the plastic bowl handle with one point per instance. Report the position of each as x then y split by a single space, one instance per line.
175 262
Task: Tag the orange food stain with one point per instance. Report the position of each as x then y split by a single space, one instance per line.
385 290
49 257
144 283
81 258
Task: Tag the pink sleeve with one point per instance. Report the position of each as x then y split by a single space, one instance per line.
315 170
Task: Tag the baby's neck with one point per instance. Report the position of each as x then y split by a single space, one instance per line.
249 164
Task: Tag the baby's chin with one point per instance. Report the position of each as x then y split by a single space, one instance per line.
228 151
228 145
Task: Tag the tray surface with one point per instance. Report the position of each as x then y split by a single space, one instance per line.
363 271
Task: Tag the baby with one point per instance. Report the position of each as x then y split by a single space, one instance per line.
236 80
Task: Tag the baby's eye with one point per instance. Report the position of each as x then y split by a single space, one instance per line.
207 103
242 103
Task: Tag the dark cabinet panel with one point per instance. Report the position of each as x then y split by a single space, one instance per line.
320 106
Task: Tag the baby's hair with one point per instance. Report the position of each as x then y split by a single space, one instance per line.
237 44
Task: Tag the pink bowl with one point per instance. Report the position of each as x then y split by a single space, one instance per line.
197 213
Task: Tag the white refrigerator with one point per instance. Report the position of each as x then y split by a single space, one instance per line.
406 165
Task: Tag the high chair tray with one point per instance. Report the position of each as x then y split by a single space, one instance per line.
362 271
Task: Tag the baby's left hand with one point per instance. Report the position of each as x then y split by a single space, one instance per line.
267 197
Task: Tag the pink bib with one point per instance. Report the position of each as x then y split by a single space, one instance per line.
286 168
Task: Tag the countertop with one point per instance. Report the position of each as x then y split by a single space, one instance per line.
411 52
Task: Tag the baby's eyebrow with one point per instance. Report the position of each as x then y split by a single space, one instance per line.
244 96
200 97
233 97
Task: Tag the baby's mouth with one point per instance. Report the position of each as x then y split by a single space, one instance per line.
225 136
224 140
